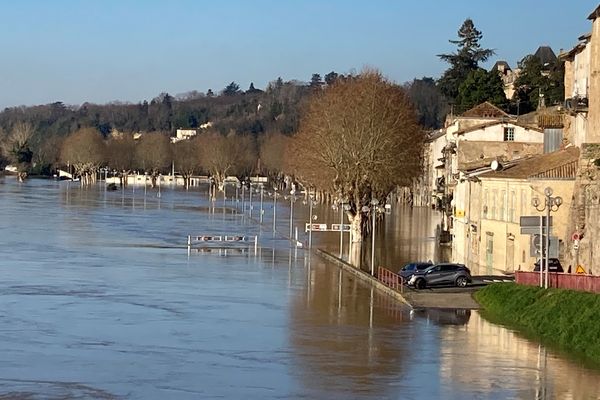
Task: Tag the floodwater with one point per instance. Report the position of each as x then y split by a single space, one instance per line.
100 299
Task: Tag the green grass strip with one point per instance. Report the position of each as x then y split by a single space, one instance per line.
566 318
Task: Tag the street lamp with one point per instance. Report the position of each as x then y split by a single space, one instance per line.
262 189
292 201
343 205
243 197
274 208
374 204
310 218
250 184
550 204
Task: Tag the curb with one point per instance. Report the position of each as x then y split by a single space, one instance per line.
363 276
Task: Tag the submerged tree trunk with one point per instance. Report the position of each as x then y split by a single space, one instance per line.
355 228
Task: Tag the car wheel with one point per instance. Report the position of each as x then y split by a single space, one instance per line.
420 284
461 281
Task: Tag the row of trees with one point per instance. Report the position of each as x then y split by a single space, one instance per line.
86 152
358 140
253 112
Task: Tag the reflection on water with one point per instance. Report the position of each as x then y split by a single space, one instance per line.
100 299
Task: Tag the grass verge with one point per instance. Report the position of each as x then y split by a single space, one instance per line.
566 318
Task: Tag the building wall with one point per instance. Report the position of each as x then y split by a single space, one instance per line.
496 134
507 200
465 226
593 135
461 123
435 152
470 153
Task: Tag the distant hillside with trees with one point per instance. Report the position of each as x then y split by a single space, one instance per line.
232 111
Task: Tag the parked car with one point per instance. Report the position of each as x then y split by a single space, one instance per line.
409 269
441 274
553 265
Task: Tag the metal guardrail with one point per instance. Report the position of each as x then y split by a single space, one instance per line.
211 239
586 283
390 279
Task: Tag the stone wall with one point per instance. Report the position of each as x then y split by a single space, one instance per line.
585 211
472 154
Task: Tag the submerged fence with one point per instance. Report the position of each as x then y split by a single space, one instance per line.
587 283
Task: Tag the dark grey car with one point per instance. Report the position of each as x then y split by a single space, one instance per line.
409 269
442 274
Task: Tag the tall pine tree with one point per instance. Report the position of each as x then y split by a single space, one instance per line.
466 59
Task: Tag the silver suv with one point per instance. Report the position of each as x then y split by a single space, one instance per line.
442 274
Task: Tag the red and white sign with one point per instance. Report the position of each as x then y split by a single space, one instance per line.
316 227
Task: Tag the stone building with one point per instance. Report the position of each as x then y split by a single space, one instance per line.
582 128
490 201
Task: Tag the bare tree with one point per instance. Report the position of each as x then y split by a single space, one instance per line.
272 155
186 154
222 156
153 154
121 155
85 150
15 147
46 153
358 139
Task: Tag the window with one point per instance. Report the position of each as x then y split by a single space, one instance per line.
513 205
509 134
501 213
523 202
484 210
494 196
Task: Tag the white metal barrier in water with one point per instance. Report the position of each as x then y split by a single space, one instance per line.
229 239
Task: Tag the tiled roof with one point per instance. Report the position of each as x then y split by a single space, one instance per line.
485 110
493 123
595 14
561 164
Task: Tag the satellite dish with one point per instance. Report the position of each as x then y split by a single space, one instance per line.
496 166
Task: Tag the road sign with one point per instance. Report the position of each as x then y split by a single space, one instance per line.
575 244
315 227
534 247
533 220
531 230
580 270
575 236
336 227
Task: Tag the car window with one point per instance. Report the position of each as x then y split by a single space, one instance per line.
448 268
423 266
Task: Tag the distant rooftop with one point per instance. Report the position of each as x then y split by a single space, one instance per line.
546 55
561 164
501 65
595 14
485 110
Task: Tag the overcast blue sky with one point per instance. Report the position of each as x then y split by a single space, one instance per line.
99 51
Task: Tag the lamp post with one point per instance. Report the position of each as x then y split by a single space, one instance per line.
250 184
262 189
310 218
243 197
292 201
550 204
373 209
343 204
274 208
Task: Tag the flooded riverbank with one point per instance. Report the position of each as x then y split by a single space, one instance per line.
100 299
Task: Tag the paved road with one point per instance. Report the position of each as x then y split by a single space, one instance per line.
451 297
